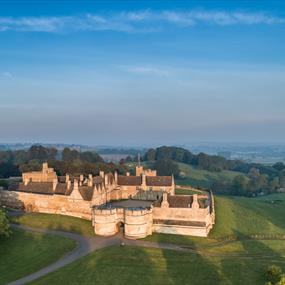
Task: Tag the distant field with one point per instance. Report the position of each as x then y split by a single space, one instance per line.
25 252
55 222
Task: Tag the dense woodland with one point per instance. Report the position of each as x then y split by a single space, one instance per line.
254 179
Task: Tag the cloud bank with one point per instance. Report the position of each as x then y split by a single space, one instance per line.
135 21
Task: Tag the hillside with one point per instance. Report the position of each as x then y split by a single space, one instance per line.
203 178
245 216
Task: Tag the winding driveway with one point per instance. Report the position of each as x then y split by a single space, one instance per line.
84 246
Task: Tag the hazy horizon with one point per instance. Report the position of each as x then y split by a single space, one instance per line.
147 73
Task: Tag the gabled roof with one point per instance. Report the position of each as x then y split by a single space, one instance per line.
86 192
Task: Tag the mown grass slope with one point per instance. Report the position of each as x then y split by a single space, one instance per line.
55 222
243 216
26 252
132 265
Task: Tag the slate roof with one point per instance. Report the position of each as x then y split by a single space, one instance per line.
129 180
86 192
177 201
158 180
33 187
61 189
46 188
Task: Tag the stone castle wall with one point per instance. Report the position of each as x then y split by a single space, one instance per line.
195 215
51 204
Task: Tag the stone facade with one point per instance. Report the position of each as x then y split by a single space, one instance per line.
157 209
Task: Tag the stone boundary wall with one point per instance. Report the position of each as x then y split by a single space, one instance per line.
181 230
50 204
212 208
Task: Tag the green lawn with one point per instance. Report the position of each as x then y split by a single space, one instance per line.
130 265
55 222
203 178
188 192
26 252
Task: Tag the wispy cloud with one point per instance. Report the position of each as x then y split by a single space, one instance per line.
135 21
146 70
6 74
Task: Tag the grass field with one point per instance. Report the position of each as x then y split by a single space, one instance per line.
25 252
129 265
203 178
55 222
242 216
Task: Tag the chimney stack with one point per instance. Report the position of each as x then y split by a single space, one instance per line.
54 184
116 177
75 185
26 181
164 203
195 204
90 180
143 181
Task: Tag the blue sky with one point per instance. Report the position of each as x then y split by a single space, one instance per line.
144 72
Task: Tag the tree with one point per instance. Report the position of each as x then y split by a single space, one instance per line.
279 166
166 167
273 274
239 185
4 224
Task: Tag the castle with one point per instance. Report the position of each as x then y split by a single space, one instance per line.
138 205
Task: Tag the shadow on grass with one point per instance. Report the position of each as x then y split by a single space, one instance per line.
249 267
190 268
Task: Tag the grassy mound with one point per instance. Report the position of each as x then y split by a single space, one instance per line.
55 222
26 252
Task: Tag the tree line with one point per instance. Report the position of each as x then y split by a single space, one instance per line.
13 163
255 178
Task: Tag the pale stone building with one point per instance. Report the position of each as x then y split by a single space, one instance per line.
139 204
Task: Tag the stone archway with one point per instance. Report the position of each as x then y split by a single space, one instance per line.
120 228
